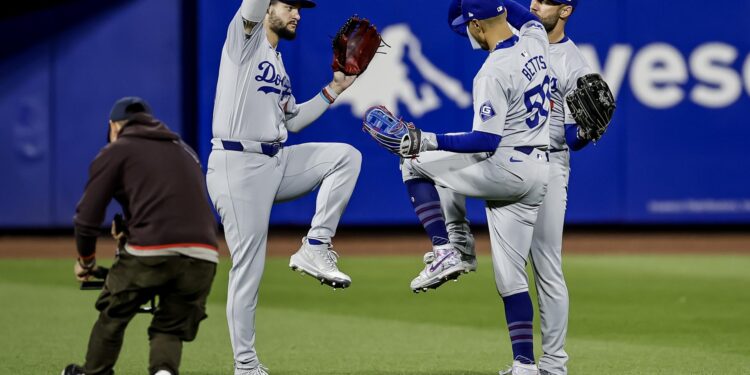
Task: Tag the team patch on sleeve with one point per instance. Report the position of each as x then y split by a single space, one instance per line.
486 111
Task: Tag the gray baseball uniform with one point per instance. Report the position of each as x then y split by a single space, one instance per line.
567 64
511 100
249 169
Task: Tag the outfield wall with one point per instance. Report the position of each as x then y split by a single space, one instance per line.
674 154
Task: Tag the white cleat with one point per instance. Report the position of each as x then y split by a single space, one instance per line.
469 263
320 262
519 368
440 266
260 370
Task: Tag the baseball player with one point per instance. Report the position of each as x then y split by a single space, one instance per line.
249 168
167 248
566 65
503 161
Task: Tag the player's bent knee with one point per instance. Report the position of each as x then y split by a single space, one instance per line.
355 157
408 171
347 154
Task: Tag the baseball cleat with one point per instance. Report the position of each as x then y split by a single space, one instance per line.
519 368
441 266
320 262
72 369
260 370
469 262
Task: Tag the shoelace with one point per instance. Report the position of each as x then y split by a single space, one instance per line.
331 257
260 370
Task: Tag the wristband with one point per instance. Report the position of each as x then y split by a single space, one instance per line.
328 95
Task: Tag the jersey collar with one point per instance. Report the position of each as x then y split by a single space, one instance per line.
563 40
507 43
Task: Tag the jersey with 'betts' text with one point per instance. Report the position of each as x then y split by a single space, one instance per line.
511 90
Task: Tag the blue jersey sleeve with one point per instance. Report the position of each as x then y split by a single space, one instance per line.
468 143
571 137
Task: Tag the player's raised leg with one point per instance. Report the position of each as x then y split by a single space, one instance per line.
445 262
546 255
469 177
459 232
334 168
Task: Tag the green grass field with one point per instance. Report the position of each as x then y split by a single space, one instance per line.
674 314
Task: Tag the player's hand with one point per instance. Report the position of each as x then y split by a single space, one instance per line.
341 82
83 270
416 141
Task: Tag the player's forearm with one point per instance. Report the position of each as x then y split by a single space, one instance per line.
571 137
468 143
254 10
518 15
309 111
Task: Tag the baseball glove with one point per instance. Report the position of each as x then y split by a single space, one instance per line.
592 105
354 46
385 128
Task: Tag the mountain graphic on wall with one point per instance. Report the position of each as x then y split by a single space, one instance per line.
386 81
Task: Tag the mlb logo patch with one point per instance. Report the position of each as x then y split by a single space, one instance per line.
486 111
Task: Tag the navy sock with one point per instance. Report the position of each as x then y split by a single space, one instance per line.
426 202
313 241
519 314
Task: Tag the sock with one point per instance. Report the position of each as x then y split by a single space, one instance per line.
313 241
519 314
426 202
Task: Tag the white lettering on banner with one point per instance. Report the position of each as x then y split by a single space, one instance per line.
615 66
699 206
711 64
658 73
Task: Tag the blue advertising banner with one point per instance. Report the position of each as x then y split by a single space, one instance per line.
56 93
674 152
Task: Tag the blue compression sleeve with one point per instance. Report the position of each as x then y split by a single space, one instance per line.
468 143
571 137
518 15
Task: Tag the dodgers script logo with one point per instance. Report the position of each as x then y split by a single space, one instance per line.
386 81
268 74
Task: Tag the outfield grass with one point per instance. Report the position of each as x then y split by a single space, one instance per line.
672 314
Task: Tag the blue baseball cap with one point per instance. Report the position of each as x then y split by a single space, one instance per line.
301 3
479 10
573 3
128 106
454 11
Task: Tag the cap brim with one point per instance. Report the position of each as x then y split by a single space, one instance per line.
301 3
459 21
561 3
